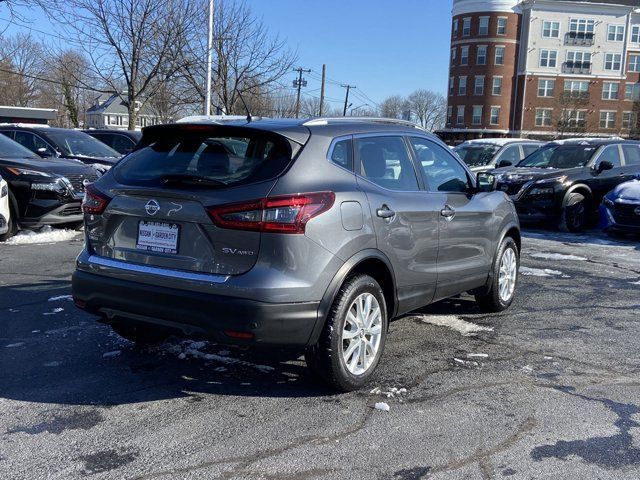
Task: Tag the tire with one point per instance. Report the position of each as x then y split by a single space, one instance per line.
575 213
495 301
327 360
140 334
12 220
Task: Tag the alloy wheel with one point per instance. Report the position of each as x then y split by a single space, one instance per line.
362 334
508 274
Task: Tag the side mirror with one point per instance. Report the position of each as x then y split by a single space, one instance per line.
604 165
486 182
505 163
44 153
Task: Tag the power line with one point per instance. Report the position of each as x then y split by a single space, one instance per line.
56 82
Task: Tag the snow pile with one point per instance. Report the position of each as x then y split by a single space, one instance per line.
392 392
382 406
538 272
61 297
467 329
557 256
45 235
55 310
477 355
465 363
193 350
14 345
635 283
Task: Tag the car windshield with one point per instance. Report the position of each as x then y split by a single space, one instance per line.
79 144
476 155
560 156
223 160
11 149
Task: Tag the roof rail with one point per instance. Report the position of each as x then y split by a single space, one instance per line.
337 120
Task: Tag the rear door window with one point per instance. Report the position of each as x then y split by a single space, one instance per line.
214 159
441 171
611 154
386 162
342 154
33 142
631 154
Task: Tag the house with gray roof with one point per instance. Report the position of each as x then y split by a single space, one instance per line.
110 111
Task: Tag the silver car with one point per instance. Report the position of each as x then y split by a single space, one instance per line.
314 234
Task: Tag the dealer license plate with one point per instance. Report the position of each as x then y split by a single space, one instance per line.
158 237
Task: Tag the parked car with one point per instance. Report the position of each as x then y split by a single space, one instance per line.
50 142
622 207
564 182
316 237
122 141
41 192
5 213
486 154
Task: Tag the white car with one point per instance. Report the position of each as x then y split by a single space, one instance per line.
5 213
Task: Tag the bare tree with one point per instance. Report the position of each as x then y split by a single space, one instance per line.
135 44
20 65
428 107
393 107
572 113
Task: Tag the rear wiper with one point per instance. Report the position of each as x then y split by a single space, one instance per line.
192 180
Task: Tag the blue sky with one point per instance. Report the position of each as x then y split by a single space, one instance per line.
383 47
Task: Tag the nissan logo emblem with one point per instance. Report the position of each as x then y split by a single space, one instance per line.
152 207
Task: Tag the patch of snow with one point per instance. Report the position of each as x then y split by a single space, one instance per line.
548 358
224 353
467 329
55 310
13 310
35 331
220 369
193 349
635 283
390 393
478 355
45 235
466 363
52 364
115 353
557 256
527 369
382 406
538 272
61 297
14 345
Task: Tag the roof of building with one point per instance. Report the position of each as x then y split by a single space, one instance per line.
28 112
114 104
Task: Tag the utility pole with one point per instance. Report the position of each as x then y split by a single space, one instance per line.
299 83
324 77
207 108
346 98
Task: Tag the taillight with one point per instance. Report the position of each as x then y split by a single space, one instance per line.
285 214
94 201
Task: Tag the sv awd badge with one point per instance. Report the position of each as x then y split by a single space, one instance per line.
236 251
152 207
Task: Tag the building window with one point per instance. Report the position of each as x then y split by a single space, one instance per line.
583 27
502 26
478 88
551 29
634 63
615 33
579 59
629 120
495 116
499 56
632 92
455 28
449 115
481 58
574 118
466 27
464 56
543 117
477 115
454 55
483 29
576 87
496 88
546 87
451 85
460 115
548 58
610 91
608 120
462 85
612 61
635 34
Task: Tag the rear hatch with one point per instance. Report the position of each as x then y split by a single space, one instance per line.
161 200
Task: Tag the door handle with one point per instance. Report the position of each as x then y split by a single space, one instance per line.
385 212
448 213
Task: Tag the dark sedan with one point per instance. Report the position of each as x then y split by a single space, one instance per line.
122 141
622 208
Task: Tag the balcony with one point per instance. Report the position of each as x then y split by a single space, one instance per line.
577 68
579 38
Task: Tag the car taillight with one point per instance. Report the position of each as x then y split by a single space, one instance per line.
94 201
284 214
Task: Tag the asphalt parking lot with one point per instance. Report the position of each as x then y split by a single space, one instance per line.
548 389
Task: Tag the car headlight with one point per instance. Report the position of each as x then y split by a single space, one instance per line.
58 185
541 191
547 181
26 171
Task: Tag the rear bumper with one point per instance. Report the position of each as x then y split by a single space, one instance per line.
196 313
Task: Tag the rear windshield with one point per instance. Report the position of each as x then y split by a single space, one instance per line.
222 159
560 156
477 155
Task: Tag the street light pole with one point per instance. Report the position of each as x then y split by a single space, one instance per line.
207 107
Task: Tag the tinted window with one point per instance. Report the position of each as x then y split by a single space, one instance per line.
441 171
611 154
529 149
72 142
342 154
631 154
385 161
11 149
560 156
511 154
476 155
208 157
33 142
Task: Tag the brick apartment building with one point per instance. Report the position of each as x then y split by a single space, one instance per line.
543 69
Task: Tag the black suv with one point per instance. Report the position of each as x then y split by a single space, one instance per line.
565 181
122 141
50 142
42 192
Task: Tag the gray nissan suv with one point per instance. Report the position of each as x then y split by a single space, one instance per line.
312 234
